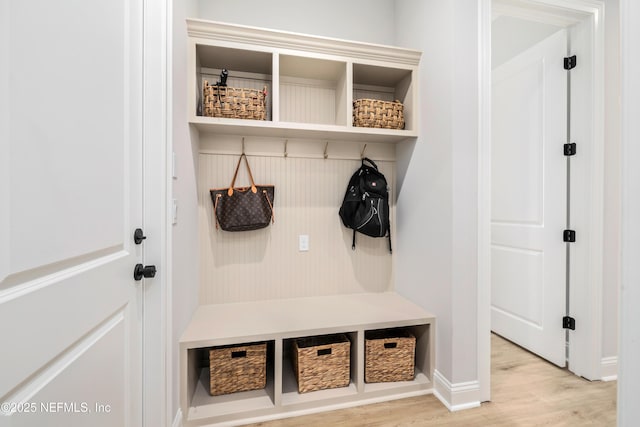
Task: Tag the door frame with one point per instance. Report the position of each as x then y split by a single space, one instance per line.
156 381
587 39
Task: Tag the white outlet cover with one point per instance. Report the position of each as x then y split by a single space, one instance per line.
303 242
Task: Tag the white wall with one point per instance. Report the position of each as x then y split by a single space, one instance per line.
629 378
185 281
368 21
437 195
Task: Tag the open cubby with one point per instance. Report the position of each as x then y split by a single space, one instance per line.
313 90
423 361
290 394
204 405
386 84
247 69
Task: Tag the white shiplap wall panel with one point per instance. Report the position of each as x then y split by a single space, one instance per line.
266 264
307 103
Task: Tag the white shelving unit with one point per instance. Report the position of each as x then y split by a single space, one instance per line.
311 83
279 321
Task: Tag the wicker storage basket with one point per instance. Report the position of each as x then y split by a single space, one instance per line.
322 362
237 368
374 113
389 356
225 101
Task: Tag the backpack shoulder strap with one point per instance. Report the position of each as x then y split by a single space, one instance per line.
371 162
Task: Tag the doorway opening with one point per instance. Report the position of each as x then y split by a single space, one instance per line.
529 194
539 20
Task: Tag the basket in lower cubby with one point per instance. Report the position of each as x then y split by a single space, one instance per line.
321 362
389 355
234 368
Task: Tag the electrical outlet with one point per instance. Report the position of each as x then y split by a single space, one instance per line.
303 242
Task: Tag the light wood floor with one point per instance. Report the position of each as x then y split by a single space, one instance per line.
525 390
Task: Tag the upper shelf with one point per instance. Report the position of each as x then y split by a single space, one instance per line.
223 126
311 81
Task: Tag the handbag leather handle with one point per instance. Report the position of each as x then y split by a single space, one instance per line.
235 175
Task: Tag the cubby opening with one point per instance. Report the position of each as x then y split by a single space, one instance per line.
226 404
290 394
247 69
385 84
313 91
423 359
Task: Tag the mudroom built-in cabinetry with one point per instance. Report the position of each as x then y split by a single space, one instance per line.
298 277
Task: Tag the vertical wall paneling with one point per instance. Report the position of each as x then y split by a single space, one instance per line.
307 102
266 264
312 90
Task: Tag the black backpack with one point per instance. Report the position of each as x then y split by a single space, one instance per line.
365 207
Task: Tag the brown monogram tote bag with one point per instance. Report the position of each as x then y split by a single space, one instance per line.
243 208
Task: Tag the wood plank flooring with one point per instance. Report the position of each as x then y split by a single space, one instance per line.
525 390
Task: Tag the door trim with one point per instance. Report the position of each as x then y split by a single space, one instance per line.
156 177
586 301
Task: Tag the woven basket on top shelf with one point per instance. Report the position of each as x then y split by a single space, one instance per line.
322 362
234 103
374 113
389 355
237 368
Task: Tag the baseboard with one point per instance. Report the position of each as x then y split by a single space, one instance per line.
609 368
177 421
456 397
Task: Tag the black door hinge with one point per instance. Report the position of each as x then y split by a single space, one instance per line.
569 322
569 236
570 62
570 149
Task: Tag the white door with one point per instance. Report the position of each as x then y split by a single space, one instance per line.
529 200
70 199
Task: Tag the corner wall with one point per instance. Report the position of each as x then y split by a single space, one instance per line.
437 250
185 282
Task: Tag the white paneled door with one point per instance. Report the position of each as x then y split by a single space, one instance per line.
70 199
529 199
